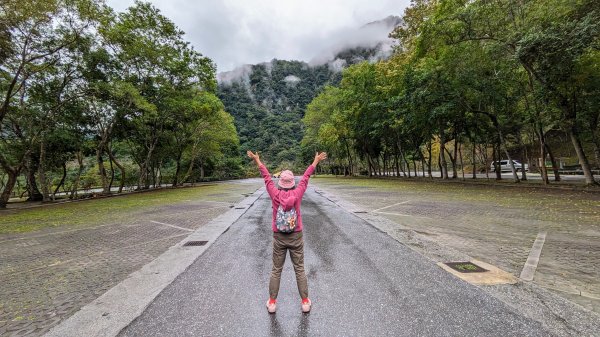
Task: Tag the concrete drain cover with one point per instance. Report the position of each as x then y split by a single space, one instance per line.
195 243
465 267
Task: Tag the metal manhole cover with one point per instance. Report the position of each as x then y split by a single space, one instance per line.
195 243
465 267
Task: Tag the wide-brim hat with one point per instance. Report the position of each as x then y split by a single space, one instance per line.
286 180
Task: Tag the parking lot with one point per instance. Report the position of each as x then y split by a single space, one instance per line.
49 273
495 224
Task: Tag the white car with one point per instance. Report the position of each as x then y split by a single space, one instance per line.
505 166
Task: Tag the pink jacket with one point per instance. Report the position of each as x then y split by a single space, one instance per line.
287 199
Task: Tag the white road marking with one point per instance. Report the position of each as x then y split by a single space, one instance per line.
166 224
400 214
534 258
197 210
400 203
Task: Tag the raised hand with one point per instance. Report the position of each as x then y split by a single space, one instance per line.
254 156
319 157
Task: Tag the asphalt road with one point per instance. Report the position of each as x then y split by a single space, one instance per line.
361 281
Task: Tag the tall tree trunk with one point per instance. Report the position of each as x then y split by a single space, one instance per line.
523 156
62 180
473 161
462 167
139 183
453 163
555 167
407 164
585 166
101 169
100 160
483 150
42 170
78 176
423 162
112 172
120 166
415 165
429 159
10 184
512 164
402 159
32 189
526 156
443 165
349 157
369 166
497 168
539 130
191 167
596 143
153 171
542 160
454 166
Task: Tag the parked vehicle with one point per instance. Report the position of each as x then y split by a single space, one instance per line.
505 166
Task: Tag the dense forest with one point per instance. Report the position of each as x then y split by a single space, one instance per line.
94 98
470 82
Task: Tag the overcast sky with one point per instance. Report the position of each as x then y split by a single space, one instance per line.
237 32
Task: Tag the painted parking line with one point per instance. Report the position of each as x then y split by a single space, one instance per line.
197 210
166 224
400 214
534 258
399 203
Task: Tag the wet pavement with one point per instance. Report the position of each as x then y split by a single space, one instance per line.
362 283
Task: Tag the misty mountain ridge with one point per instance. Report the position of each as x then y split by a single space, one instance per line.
369 42
268 100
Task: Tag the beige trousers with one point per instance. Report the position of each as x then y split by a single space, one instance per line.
281 244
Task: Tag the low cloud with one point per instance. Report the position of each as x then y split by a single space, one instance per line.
239 74
371 35
291 79
238 32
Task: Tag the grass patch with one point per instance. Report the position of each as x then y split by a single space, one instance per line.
97 211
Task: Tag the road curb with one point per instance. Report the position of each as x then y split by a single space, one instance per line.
107 315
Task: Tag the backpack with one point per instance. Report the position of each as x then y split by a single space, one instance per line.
286 220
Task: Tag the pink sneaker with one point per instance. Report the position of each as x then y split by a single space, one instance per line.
306 303
271 305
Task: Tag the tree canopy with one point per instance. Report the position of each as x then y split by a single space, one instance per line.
121 94
494 78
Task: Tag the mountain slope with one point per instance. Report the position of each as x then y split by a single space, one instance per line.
268 100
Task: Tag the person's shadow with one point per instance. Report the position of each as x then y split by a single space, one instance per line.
303 325
275 329
301 331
